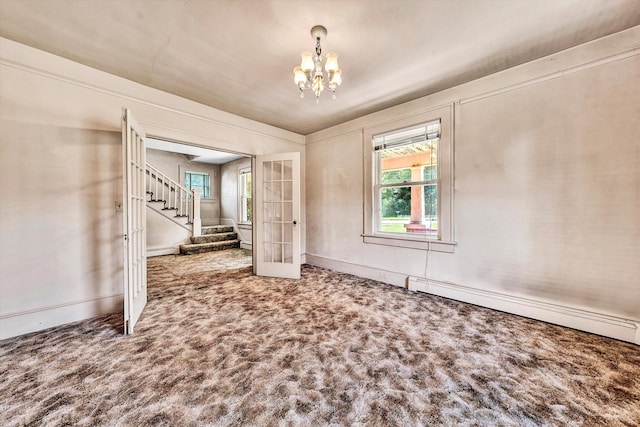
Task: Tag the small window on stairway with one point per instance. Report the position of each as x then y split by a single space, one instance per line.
198 181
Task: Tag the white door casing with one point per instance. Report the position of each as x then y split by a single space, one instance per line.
277 215
134 220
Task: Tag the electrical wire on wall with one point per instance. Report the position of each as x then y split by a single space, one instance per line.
426 260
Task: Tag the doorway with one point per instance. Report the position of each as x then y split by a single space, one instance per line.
223 181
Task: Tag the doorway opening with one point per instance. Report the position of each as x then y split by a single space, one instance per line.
214 220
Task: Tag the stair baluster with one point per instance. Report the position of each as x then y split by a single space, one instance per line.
184 202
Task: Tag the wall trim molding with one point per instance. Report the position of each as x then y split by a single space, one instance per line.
552 76
356 125
169 250
19 323
140 100
369 272
583 319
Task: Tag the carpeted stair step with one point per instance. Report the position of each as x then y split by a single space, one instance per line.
213 229
198 248
217 237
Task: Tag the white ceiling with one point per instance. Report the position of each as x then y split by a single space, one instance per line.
238 55
196 154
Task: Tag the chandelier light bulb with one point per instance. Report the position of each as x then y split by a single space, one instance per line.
332 63
299 76
307 64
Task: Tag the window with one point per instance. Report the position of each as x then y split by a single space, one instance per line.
198 181
408 169
246 203
406 187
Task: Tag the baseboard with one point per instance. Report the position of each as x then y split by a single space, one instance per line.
368 272
246 245
173 250
578 318
15 324
573 317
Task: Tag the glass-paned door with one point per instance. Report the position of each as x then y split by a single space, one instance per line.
277 194
134 220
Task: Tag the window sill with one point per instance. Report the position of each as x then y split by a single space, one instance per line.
410 243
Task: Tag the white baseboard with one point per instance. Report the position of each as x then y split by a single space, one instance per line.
174 250
573 317
246 245
368 272
15 324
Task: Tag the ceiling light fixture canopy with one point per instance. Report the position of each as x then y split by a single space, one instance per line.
309 74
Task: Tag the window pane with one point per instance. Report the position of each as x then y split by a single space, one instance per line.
277 252
198 181
277 171
287 211
287 172
395 176
267 227
267 171
248 210
431 207
430 172
396 202
268 254
288 191
410 209
276 235
288 254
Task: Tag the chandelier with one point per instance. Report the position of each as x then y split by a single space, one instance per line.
309 74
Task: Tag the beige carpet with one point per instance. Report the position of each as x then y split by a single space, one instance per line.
219 347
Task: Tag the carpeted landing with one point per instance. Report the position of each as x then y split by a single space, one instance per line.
219 347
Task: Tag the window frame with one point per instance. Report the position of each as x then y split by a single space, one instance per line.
444 241
241 194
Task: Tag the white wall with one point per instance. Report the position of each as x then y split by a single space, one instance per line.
547 192
60 244
229 193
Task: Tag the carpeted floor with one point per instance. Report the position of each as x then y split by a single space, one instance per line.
219 347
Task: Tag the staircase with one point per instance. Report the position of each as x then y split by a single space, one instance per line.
182 206
172 200
213 238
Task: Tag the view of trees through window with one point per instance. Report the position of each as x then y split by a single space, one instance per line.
396 201
199 181
246 214
407 177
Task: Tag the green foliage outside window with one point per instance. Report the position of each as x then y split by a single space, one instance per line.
199 181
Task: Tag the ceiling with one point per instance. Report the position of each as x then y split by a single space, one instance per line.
196 154
238 55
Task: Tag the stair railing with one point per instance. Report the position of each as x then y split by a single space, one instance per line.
185 202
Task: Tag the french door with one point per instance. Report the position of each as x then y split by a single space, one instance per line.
277 185
134 220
